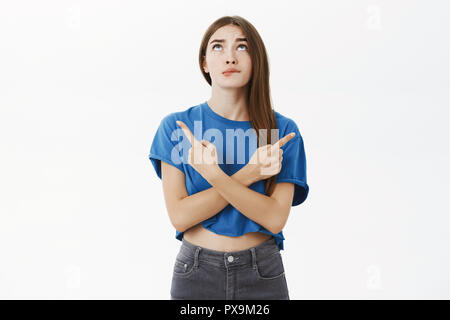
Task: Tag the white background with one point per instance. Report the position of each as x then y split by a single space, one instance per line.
84 85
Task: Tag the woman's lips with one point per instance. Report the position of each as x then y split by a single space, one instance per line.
227 74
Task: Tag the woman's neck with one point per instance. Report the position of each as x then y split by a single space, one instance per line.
230 106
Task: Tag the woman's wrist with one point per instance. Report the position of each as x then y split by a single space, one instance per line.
212 172
244 176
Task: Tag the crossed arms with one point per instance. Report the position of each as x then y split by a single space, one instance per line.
186 211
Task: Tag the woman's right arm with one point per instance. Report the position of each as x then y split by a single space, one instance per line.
186 211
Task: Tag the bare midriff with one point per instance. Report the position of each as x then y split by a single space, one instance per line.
207 239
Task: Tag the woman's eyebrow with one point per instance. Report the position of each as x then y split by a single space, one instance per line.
223 40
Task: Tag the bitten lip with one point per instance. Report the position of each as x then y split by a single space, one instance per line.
231 70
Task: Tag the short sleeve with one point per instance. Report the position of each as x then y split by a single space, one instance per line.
293 166
165 145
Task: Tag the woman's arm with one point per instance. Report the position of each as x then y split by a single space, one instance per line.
271 212
186 211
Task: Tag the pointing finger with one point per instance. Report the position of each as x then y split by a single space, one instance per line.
284 140
187 132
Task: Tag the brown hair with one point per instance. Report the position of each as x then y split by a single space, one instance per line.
261 114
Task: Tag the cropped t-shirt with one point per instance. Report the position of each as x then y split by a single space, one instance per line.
171 146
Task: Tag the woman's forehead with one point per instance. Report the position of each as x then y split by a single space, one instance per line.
231 31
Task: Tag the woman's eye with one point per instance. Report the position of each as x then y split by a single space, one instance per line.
241 45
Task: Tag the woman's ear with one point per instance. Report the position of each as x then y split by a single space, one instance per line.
204 64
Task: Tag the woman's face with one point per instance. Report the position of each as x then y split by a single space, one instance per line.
227 49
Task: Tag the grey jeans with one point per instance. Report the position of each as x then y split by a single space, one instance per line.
256 273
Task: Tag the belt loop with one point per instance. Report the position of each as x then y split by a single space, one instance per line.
197 251
253 257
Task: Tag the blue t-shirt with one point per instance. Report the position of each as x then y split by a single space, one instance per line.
171 146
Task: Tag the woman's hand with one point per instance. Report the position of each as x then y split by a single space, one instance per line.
202 154
266 161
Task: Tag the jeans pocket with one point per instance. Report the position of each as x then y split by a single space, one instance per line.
269 267
184 266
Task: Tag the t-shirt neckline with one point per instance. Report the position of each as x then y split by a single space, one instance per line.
218 117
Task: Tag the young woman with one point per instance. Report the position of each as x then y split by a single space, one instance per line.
230 181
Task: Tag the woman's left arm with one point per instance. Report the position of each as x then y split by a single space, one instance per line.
269 211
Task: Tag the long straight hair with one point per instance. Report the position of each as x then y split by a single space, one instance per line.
261 113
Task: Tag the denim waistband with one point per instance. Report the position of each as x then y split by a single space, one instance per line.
229 259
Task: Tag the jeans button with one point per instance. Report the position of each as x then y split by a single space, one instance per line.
230 259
